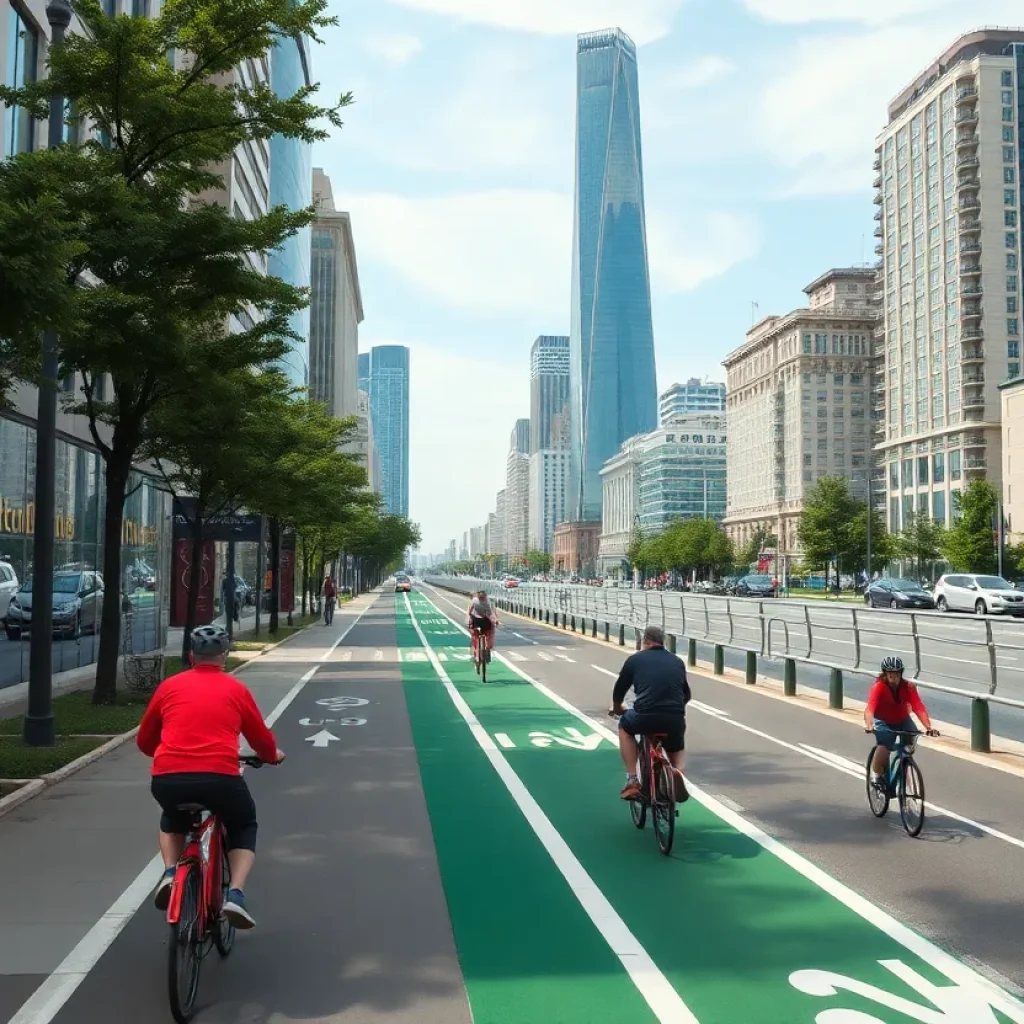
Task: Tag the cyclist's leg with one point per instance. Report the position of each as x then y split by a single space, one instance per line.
229 798
169 791
629 729
675 746
885 737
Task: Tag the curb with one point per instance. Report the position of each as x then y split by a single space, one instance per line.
44 782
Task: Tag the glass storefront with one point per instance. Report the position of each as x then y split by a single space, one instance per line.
78 531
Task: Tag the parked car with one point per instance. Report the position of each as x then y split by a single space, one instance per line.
511 582
984 595
755 586
898 593
77 605
8 587
402 584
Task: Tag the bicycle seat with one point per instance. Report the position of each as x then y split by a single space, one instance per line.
192 808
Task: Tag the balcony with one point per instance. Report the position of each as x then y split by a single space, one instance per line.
879 249
967 140
972 334
967 290
879 232
968 183
975 377
968 247
879 198
971 311
967 160
970 269
970 225
879 215
968 116
967 203
964 73
971 354
975 464
877 165
880 331
966 94
974 440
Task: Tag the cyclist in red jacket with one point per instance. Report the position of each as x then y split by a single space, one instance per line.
887 713
191 730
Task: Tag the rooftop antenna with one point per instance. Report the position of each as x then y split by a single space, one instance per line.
754 310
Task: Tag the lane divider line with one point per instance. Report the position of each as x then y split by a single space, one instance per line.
664 1001
923 948
49 999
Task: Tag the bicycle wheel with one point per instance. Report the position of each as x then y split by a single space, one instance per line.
663 809
911 795
224 930
185 951
878 797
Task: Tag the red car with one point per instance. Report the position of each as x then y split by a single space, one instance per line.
511 582
403 584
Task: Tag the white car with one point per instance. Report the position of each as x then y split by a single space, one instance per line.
8 587
983 595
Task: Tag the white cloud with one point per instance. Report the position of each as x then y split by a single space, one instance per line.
394 49
866 12
686 253
702 72
449 492
644 20
487 253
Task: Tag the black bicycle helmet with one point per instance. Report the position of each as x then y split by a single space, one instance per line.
210 640
892 664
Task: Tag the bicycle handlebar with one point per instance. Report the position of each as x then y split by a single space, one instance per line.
252 761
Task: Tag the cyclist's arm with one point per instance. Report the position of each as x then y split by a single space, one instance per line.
869 709
918 707
254 729
622 685
148 738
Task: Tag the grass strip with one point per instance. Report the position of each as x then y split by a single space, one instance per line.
20 762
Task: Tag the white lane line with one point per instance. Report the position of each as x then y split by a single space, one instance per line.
536 643
505 740
345 632
662 998
607 672
565 657
544 656
47 1001
927 951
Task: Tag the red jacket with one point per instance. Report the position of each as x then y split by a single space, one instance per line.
194 720
893 709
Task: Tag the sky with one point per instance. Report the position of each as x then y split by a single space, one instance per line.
456 164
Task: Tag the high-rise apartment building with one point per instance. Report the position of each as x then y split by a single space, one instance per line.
798 398
291 185
517 491
948 174
693 396
548 483
613 391
520 440
363 371
389 407
549 391
336 306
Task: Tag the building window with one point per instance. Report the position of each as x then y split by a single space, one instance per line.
807 344
939 468
1010 218
140 8
109 7
1009 176
1010 196
954 465
908 472
1011 304
1013 370
922 470
1013 326
22 55
1011 239
1008 154
1007 133
1007 79
1013 349
1007 113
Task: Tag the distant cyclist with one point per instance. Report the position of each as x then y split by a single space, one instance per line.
658 680
482 616
887 713
191 729
330 593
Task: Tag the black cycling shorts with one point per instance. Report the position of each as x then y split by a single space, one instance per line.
226 796
485 624
647 724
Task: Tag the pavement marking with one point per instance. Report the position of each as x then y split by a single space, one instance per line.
322 739
345 632
47 1001
964 976
536 643
662 998
505 740
544 656
516 656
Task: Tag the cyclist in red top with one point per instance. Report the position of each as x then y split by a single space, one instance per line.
191 730
887 713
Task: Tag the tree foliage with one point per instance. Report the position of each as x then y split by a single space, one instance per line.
969 545
762 539
538 562
699 545
920 541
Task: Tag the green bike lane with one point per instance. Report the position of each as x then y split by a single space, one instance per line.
742 929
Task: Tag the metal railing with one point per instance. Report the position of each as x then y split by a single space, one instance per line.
973 657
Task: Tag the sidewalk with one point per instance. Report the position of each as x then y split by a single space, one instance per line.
71 852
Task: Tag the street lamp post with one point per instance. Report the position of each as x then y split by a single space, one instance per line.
39 730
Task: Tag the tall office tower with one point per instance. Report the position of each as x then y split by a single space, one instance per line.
291 185
520 440
336 306
948 172
363 371
389 408
549 391
799 393
692 397
517 491
549 478
613 392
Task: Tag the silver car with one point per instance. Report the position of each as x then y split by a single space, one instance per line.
8 587
77 605
984 595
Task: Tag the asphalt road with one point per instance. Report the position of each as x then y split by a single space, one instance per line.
456 845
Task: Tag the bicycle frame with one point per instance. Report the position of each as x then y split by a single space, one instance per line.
202 848
896 758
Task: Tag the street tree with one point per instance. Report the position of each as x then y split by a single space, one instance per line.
969 544
145 276
920 541
537 562
825 528
883 543
761 540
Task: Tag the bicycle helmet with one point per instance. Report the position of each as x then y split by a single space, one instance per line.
892 664
210 640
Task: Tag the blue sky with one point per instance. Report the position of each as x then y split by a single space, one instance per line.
456 163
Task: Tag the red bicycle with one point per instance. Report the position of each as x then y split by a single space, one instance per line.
194 913
657 790
481 653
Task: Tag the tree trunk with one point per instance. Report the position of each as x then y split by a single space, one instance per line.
306 590
195 581
118 468
274 528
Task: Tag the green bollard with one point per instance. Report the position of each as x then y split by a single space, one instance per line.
981 734
719 660
574 623
670 642
607 632
835 689
751 668
622 635
789 677
593 631
691 653
637 632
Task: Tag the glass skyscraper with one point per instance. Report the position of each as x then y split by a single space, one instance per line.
291 185
389 411
613 391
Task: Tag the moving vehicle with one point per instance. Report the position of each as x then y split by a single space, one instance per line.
8 587
511 582
755 586
402 584
983 595
898 593
77 605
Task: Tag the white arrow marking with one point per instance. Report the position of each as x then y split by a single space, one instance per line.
322 739
504 740
378 655
544 656
515 656
414 656
346 655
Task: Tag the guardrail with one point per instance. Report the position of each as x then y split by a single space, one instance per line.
975 652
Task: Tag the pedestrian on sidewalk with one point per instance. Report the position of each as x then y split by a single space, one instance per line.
229 599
